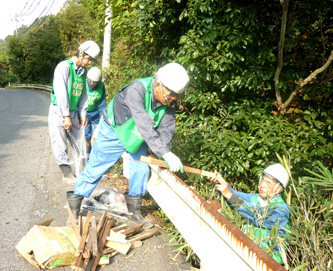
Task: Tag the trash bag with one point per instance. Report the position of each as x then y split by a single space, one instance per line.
80 156
95 130
107 199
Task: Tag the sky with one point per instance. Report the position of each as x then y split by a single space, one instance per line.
15 13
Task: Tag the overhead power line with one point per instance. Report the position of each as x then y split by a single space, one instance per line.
26 3
27 14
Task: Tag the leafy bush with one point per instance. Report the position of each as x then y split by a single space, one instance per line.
242 138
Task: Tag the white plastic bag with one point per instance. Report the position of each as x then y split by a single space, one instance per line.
80 154
107 199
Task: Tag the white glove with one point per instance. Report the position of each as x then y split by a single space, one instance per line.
173 162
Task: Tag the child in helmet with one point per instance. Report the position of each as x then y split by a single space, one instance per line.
96 102
264 210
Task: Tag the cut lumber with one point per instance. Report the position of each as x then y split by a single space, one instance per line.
132 230
73 221
93 235
120 227
160 163
116 237
143 236
101 244
123 248
136 244
84 233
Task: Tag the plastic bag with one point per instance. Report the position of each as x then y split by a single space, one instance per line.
107 199
95 129
80 155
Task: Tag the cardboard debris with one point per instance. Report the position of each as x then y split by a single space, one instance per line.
87 245
49 247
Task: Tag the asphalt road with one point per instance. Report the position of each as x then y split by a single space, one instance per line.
32 190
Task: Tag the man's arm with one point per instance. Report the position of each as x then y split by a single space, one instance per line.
60 85
158 140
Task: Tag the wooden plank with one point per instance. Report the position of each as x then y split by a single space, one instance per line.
120 227
102 226
157 162
123 248
93 235
84 233
80 249
72 218
132 230
101 244
143 236
136 244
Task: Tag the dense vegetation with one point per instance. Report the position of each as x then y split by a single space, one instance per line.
261 87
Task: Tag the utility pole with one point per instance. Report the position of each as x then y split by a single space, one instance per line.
15 32
107 37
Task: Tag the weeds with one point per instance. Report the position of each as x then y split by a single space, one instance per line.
310 237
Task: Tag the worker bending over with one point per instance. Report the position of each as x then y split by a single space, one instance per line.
141 115
96 102
263 211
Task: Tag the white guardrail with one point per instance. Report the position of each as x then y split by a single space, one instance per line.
218 243
33 86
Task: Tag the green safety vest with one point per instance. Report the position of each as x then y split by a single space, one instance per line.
127 133
260 234
75 87
94 96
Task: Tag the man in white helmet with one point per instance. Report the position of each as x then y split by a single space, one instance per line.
68 96
263 211
141 115
96 102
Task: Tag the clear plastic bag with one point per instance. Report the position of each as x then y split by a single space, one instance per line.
80 155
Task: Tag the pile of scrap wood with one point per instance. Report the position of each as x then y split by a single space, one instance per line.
100 239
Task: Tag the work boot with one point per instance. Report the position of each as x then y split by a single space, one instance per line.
74 201
67 173
134 206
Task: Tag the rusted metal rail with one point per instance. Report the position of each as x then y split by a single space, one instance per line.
218 243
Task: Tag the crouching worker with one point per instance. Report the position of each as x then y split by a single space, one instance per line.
263 211
96 102
141 115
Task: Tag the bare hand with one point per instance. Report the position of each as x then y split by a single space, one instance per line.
67 123
221 185
83 121
217 179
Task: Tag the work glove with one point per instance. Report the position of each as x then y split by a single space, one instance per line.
173 162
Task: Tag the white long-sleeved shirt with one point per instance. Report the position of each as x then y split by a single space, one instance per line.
61 84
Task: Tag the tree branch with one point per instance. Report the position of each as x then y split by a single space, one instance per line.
284 4
307 80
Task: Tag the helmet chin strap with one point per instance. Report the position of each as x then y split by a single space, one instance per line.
273 193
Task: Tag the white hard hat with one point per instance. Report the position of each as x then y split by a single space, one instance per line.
278 173
94 74
90 47
174 77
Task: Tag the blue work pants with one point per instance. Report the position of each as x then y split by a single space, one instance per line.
93 118
105 152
